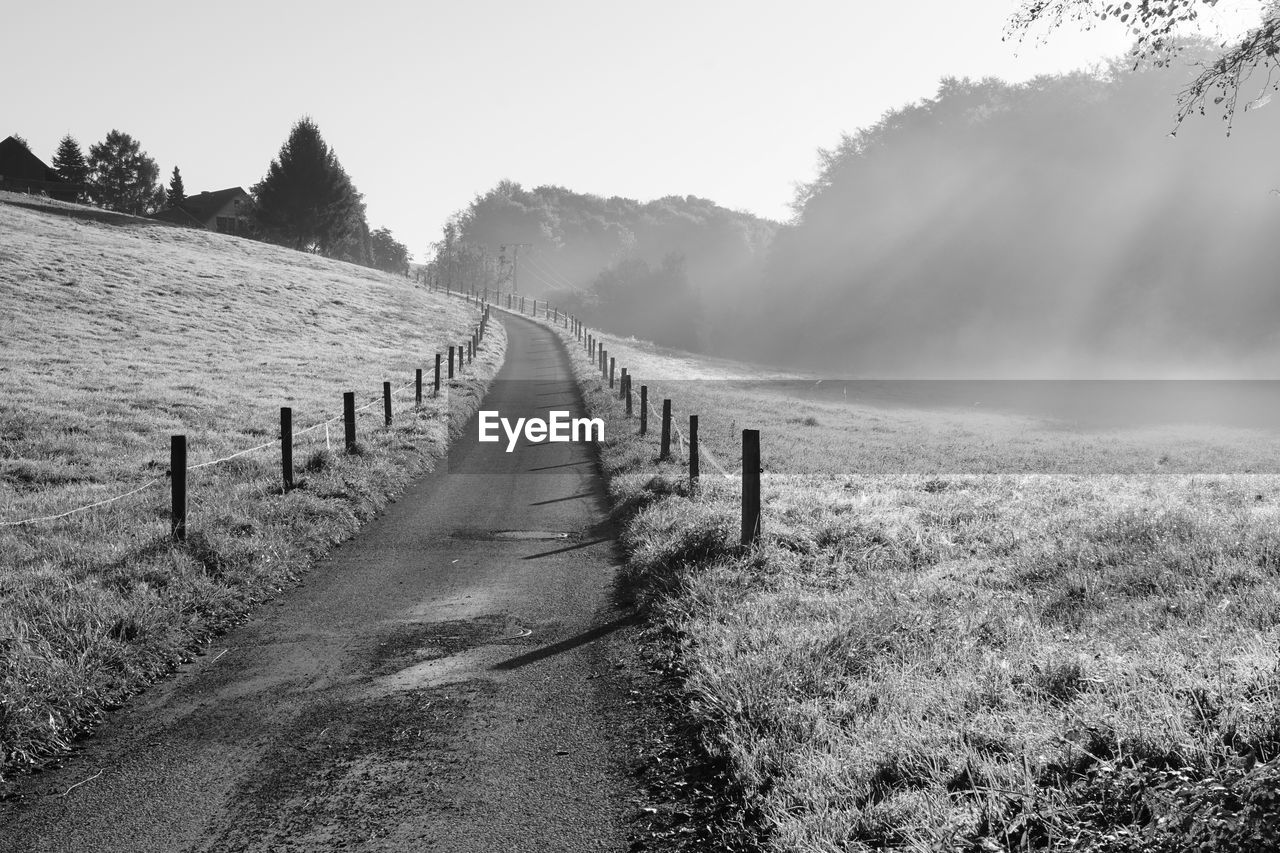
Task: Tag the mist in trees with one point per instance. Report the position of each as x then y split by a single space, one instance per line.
618 263
1045 229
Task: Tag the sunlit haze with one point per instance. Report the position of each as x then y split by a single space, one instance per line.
428 104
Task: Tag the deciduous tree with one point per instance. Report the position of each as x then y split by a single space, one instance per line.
1246 65
388 253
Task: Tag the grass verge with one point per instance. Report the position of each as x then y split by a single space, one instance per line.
121 332
932 661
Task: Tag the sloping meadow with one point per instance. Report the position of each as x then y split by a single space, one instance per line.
963 629
119 333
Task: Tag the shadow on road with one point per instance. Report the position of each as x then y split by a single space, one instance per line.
571 643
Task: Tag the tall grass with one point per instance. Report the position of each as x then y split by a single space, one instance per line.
116 336
920 658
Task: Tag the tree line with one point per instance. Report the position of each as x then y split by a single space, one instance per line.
658 270
306 200
1043 228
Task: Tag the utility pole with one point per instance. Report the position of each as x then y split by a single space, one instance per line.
515 262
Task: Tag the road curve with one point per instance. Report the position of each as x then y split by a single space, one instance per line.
445 681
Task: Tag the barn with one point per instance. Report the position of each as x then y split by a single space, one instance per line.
21 171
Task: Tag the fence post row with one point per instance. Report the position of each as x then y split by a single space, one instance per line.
666 430
349 419
750 486
693 452
286 446
178 477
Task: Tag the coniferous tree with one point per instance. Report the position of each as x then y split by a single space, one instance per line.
177 193
307 200
69 162
121 175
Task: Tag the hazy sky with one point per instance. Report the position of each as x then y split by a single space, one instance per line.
429 103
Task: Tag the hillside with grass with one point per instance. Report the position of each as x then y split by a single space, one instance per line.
964 628
117 332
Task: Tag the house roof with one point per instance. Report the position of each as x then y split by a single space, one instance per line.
177 216
17 161
203 206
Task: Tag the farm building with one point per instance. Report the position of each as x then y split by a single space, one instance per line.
21 171
224 211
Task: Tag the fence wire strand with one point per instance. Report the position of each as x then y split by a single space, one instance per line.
208 464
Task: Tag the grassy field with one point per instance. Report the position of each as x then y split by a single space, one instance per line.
116 333
964 629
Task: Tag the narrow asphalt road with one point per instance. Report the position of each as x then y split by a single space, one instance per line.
445 681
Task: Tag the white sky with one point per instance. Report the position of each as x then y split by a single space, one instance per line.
429 103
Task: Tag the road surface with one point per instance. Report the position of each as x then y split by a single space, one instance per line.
445 681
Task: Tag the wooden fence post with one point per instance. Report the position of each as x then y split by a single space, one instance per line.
644 409
693 452
417 387
178 476
349 419
750 486
450 362
286 446
612 368
436 392
628 395
622 383
665 452
386 401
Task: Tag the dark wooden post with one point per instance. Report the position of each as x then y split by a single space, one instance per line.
349 419
622 384
436 392
665 452
693 451
750 486
178 476
644 409
450 362
628 395
286 446
386 401
612 369
417 387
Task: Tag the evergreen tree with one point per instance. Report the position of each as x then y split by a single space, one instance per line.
121 175
177 192
308 201
69 162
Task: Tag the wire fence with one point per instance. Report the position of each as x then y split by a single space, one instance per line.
575 331
468 350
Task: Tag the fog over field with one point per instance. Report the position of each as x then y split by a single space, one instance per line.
1051 229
